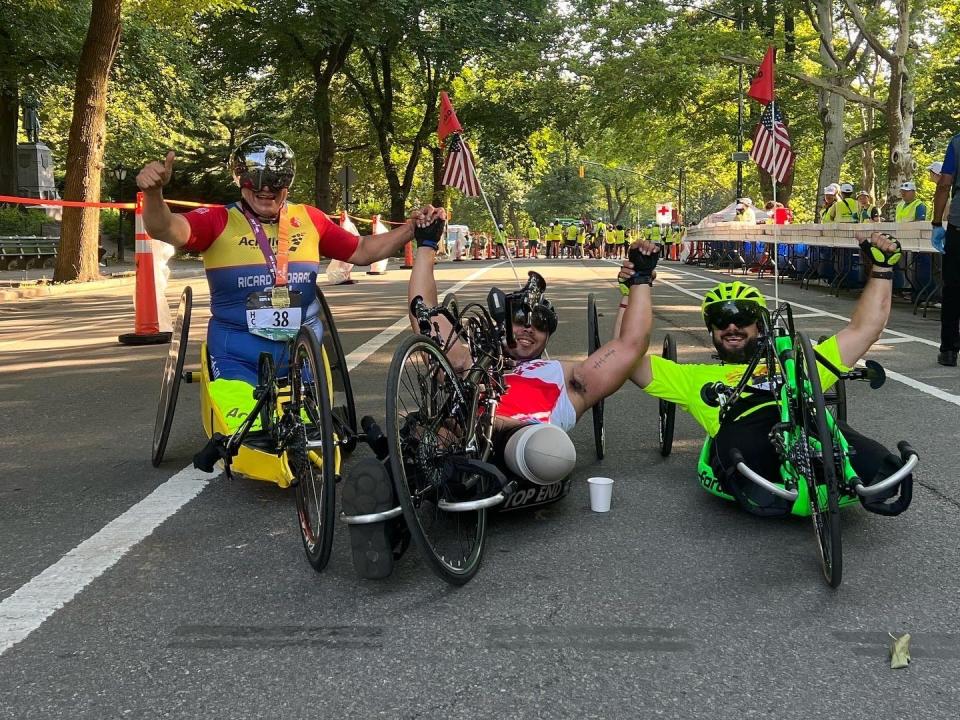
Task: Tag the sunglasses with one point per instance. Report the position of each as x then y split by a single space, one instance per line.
536 317
257 181
741 314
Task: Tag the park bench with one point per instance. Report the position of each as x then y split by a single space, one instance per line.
23 251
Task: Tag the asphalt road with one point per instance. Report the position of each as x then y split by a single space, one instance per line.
674 604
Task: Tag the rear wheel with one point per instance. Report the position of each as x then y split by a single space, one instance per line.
819 458
311 451
593 344
668 410
428 419
344 409
172 375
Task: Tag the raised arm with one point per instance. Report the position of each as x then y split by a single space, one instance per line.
873 308
158 221
602 374
372 248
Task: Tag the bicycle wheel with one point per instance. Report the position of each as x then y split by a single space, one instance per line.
344 408
668 410
311 452
820 460
836 396
172 375
428 417
593 344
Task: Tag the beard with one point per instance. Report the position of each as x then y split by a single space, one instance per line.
739 356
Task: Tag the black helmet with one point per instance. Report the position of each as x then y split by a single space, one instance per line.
260 161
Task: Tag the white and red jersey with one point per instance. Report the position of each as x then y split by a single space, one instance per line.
537 392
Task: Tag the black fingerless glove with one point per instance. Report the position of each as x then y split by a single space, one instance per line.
430 235
872 254
643 267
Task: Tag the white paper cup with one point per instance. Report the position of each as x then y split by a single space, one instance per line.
601 490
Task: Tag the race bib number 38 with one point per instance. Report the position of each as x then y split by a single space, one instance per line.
271 320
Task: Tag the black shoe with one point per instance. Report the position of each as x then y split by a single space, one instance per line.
367 489
948 358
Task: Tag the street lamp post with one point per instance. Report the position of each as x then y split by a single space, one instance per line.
120 173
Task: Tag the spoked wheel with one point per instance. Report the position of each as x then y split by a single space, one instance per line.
668 410
344 409
427 420
312 453
593 344
172 375
821 471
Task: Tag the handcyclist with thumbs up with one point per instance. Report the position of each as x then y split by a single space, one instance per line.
260 250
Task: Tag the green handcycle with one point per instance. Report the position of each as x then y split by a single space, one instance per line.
816 474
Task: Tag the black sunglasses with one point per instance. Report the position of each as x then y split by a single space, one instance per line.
536 317
258 180
733 312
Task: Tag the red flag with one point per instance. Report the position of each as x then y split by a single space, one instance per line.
761 87
448 118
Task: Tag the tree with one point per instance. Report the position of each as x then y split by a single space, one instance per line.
79 233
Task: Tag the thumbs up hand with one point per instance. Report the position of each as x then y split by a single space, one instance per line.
156 174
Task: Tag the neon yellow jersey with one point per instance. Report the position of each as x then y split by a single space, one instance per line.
681 383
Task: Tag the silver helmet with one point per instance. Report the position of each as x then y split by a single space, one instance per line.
262 161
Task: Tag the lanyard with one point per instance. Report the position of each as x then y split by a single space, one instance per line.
279 262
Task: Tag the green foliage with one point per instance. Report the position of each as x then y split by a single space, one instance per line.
19 221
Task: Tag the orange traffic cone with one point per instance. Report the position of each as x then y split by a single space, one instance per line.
408 256
146 325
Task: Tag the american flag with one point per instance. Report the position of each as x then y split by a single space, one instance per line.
774 157
460 171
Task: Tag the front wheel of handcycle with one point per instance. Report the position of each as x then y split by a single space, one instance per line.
427 425
312 453
821 460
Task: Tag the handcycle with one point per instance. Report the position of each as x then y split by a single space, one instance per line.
816 474
440 425
301 426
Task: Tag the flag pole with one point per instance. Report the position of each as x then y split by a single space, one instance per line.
776 231
493 219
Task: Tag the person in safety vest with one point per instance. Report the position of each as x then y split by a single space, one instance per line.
533 240
570 239
732 313
845 209
830 193
581 238
541 403
866 210
499 240
260 254
910 209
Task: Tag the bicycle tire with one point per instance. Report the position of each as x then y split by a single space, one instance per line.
172 376
836 396
593 344
825 506
315 496
667 410
425 407
342 402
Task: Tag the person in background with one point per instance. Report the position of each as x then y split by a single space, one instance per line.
866 210
844 209
499 241
830 193
533 240
944 208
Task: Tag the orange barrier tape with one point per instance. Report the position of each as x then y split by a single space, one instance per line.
64 203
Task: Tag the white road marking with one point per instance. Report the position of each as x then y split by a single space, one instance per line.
29 607
900 337
25 610
893 340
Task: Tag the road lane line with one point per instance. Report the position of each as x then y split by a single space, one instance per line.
931 390
34 602
25 610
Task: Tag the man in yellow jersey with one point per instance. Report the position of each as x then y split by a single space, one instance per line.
732 312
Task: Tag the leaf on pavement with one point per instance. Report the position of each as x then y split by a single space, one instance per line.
899 651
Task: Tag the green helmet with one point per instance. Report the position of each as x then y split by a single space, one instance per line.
735 291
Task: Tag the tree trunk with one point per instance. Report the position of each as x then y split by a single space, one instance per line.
608 191
830 107
867 165
514 219
79 233
900 107
323 162
9 109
